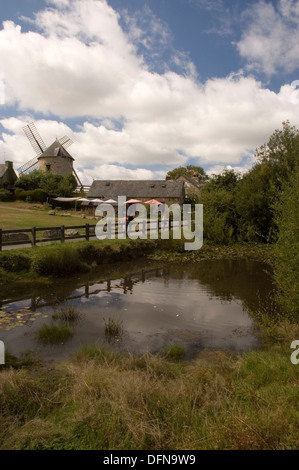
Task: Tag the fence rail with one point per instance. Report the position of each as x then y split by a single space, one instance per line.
87 232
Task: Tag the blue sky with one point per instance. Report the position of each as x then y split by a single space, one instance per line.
143 86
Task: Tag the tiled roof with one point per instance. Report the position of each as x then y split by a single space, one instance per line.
111 189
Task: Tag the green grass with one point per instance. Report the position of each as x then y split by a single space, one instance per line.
54 333
174 352
18 215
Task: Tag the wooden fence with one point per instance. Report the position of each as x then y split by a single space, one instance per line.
86 232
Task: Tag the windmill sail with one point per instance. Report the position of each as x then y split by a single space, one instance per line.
34 138
65 141
38 145
29 166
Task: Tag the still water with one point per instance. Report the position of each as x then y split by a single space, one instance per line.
202 305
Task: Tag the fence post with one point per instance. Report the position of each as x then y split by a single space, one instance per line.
62 233
87 232
0 239
33 234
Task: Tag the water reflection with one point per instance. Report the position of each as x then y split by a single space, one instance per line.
202 305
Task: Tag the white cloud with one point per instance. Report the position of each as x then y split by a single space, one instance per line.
82 63
270 42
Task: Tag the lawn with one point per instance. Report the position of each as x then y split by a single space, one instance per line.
18 215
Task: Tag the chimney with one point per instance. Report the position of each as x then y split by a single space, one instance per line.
195 176
9 164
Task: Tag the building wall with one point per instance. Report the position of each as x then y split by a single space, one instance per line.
58 165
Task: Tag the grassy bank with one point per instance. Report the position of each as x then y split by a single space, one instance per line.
101 400
60 260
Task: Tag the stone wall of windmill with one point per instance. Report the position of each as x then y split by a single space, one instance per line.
57 165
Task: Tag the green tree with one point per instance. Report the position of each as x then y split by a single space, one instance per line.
50 183
218 199
281 154
188 171
29 181
286 271
67 186
254 197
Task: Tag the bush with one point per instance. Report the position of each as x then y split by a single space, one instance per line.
59 261
15 262
5 196
36 195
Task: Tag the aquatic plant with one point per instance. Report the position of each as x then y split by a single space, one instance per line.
54 334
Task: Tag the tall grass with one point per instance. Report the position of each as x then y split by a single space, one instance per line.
102 400
54 333
113 328
58 261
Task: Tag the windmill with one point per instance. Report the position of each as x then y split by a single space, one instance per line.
56 155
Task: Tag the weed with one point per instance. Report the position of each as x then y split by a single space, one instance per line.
54 334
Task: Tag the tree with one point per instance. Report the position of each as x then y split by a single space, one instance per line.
29 181
260 188
281 153
53 185
188 171
286 272
218 199
67 186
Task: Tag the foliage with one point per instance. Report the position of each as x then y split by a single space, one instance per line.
53 185
218 199
14 262
287 247
29 181
36 195
66 186
188 171
243 208
5 196
58 261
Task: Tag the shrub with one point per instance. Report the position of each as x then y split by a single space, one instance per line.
15 262
59 261
36 195
87 253
5 196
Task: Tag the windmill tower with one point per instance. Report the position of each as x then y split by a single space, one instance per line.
54 158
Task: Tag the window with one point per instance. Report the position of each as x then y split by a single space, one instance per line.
48 167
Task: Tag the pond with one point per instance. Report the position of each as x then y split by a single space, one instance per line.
199 305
